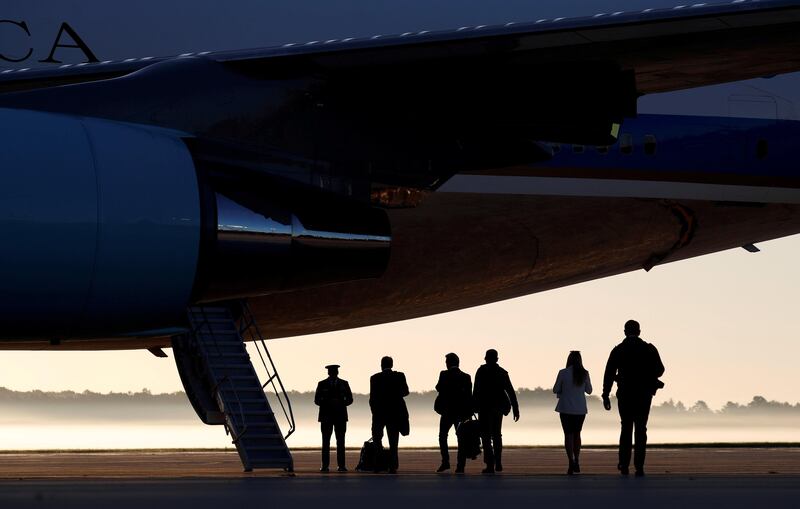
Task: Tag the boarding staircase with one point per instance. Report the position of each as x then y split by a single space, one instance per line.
218 340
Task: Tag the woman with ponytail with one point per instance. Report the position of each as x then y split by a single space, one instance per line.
571 387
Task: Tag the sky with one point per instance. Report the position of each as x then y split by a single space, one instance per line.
726 325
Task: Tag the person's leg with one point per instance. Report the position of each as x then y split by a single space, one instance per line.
486 440
377 431
461 458
569 446
497 441
640 421
377 438
341 430
444 429
393 435
576 445
568 438
327 430
625 436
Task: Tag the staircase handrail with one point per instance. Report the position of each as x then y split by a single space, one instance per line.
249 326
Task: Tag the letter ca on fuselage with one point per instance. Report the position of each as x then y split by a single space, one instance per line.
20 43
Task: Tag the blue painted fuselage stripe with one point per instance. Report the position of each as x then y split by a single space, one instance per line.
692 145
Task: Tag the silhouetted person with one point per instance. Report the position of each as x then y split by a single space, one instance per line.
572 385
494 397
386 392
636 366
333 396
454 405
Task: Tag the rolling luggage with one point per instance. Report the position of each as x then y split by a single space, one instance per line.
373 458
469 438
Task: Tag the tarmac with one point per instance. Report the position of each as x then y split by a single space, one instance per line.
533 477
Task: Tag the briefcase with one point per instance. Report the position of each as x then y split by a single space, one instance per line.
469 438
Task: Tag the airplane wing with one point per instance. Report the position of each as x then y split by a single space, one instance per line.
676 48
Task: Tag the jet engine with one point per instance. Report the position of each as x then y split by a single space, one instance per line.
113 229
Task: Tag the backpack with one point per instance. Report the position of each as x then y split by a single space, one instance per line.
373 458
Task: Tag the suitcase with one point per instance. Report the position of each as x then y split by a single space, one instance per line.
469 438
373 458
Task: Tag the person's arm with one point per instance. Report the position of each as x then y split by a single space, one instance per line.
557 387
610 373
608 378
372 392
476 388
658 366
588 386
318 395
348 395
440 383
512 396
403 385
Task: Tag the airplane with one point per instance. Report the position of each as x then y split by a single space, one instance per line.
163 185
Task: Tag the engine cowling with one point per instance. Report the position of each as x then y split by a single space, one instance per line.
110 229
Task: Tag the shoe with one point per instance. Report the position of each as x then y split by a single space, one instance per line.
623 470
498 467
459 470
443 467
576 467
392 470
324 470
570 469
487 470
640 472
341 469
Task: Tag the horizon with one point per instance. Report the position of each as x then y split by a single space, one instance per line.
143 394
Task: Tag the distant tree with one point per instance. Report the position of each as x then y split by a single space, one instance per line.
731 407
700 407
671 406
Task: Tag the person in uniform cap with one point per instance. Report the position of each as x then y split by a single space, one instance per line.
333 396
636 367
494 397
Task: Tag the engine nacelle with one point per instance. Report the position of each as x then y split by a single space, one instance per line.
109 229
100 225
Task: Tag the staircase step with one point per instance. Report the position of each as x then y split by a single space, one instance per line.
273 463
236 388
218 336
257 412
233 388
261 422
249 435
242 355
214 319
276 447
248 401
227 365
244 378
199 315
